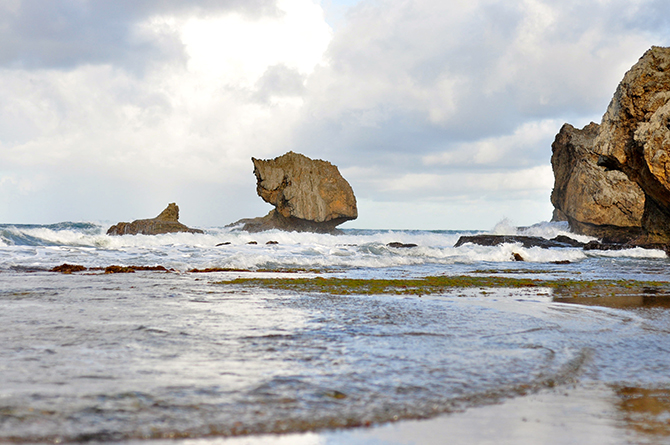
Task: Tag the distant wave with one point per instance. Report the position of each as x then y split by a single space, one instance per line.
86 243
62 233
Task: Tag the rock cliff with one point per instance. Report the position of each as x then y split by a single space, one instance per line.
308 195
634 139
594 201
166 222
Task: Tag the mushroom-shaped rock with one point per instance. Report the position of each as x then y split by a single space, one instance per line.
308 195
166 222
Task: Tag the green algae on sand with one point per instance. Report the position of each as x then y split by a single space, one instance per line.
439 284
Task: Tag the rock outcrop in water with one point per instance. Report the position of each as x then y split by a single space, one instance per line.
525 241
594 201
633 139
166 222
308 195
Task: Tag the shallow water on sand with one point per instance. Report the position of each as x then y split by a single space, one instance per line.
165 355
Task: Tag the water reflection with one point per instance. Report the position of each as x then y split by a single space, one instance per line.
645 411
616 297
619 301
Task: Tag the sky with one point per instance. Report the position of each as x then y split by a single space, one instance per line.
439 113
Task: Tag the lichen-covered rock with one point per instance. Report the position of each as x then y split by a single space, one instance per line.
308 195
635 138
166 222
594 201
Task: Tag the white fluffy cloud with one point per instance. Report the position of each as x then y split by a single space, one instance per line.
109 110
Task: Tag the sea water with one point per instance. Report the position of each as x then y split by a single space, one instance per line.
109 357
359 253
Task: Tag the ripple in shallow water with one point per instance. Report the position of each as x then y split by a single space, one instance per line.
166 355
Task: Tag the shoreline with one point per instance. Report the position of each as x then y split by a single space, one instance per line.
591 413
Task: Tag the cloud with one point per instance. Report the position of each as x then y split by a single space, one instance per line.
177 128
427 89
475 69
462 184
110 108
66 34
516 150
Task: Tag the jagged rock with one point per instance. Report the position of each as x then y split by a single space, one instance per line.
594 201
635 138
166 222
308 195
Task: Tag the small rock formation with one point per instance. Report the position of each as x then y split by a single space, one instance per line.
399 245
525 241
166 222
68 268
308 195
558 241
635 138
595 202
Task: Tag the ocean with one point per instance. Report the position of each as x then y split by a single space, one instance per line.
181 355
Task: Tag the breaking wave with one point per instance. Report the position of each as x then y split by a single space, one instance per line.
86 243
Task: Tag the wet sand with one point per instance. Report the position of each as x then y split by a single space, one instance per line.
590 414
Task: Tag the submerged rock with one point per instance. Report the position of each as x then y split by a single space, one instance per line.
399 245
68 268
119 269
166 222
594 201
309 195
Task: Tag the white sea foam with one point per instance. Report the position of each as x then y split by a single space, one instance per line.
636 252
543 229
88 245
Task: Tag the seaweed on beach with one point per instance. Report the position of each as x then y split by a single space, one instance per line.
441 284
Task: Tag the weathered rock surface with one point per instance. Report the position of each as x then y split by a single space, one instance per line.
594 201
166 222
635 138
308 195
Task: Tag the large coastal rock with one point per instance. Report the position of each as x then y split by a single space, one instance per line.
308 195
628 199
594 201
634 138
166 222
